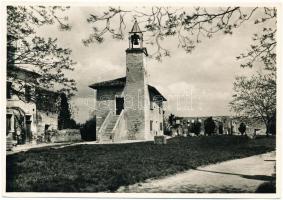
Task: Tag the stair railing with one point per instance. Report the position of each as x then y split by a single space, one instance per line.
104 124
117 124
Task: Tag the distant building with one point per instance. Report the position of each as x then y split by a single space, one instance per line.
224 125
30 110
128 108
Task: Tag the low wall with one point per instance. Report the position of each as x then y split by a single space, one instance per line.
67 135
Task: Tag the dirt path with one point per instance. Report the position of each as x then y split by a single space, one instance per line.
240 175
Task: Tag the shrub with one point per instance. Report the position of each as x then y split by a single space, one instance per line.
242 128
267 187
209 126
49 134
196 127
271 128
220 128
88 130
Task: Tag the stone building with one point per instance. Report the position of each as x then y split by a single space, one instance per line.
128 108
30 110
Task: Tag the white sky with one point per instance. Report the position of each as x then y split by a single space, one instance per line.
206 75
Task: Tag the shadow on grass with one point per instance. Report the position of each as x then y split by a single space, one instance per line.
254 177
267 187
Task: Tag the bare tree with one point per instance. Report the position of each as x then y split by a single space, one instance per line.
255 97
189 25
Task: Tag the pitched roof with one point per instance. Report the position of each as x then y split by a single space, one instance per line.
24 70
121 82
136 28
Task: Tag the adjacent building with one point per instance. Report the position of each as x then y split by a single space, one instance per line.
30 109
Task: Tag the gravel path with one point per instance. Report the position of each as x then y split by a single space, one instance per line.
240 175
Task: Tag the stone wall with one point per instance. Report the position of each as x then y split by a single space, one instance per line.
156 116
67 135
46 118
135 94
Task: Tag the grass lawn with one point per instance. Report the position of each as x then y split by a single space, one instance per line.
95 168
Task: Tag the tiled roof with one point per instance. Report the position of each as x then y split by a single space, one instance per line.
121 82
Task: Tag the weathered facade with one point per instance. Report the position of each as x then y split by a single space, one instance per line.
30 110
128 108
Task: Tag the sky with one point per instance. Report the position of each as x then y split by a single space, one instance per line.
196 84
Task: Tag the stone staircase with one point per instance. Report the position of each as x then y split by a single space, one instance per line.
107 134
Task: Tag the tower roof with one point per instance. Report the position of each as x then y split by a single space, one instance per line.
136 28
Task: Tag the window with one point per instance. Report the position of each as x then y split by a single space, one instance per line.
151 105
161 126
9 90
28 93
151 122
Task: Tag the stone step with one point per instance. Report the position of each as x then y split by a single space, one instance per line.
110 125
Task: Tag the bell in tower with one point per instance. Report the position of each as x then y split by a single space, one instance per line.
136 38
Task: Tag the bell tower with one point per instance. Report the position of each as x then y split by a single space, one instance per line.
136 89
136 38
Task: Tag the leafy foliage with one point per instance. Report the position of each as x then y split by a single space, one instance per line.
88 130
196 127
64 118
43 55
242 128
